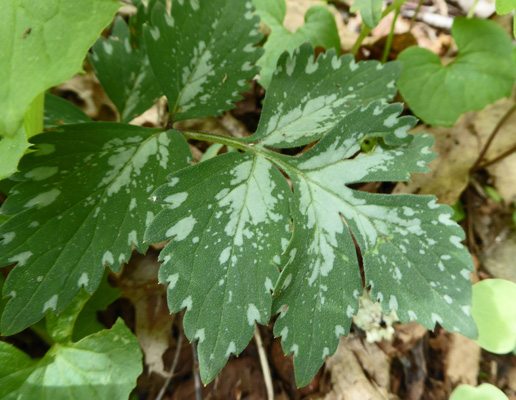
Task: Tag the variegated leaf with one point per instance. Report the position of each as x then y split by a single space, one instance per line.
83 204
229 220
203 54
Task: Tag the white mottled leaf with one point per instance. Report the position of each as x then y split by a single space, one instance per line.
203 54
325 90
228 217
82 205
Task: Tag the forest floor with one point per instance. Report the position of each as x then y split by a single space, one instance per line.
410 362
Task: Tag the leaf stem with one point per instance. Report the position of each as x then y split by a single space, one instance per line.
476 167
365 30
388 42
215 138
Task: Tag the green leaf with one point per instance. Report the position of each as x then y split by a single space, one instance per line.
60 327
410 247
482 72
486 391
320 29
43 44
203 54
59 111
124 72
413 258
495 315
327 89
15 368
12 149
87 321
104 365
370 11
83 204
271 12
229 218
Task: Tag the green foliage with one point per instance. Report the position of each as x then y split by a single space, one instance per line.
236 222
320 29
486 391
505 7
244 244
79 368
83 203
495 315
370 11
482 72
124 72
201 57
59 111
34 35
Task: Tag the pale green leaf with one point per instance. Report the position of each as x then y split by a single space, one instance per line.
319 29
228 217
505 6
124 72
495 314
43 44
101 366
12 149
203 54
15 368
326 90
486 391
83 204
370 11
482 72
271 12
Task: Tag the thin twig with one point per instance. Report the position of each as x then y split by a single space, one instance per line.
267 377
500 123
172 369
197 378
498 158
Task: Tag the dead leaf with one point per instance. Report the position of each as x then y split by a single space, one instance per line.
359 371
462 360
153 322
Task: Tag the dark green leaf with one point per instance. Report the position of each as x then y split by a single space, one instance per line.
59 111
413 259
326 90
203 54
124 72
229 219
82 206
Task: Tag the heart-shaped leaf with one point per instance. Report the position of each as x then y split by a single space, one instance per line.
482 72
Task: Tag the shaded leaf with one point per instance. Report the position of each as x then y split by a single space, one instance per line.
124 72
59 111
83 204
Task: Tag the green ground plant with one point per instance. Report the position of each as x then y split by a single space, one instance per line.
246 242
